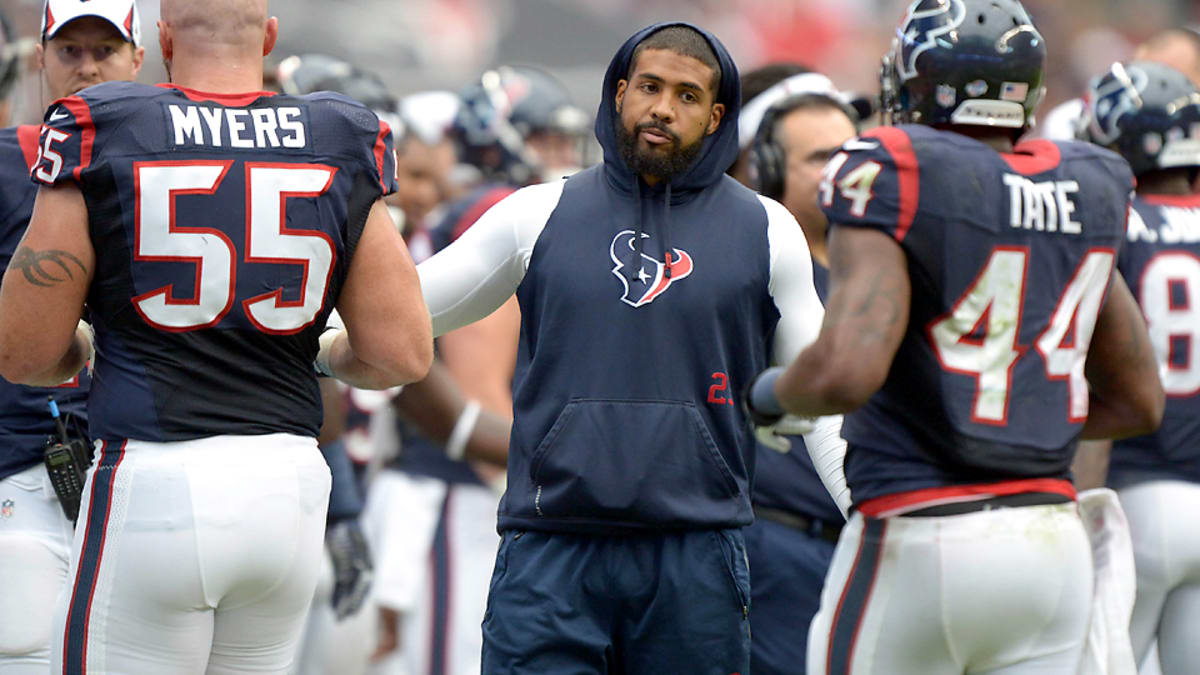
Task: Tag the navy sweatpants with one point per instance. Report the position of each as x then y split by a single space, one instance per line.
789 573
571 604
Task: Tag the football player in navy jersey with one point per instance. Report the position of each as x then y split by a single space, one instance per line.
976 328
211 228
1150 114
82 43
796 522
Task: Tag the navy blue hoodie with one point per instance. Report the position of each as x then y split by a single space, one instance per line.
624 407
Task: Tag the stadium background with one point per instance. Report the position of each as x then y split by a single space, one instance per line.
444 44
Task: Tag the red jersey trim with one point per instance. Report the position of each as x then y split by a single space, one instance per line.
903 502
908 174
1033 157
380 149
27 138
87 130
1185 201
224 99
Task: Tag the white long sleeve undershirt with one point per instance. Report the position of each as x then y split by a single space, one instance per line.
477 273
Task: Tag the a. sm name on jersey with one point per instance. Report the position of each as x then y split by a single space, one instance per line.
1045 206
202 126
1180 225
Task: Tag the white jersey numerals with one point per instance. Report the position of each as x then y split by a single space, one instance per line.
979 335
1064 343
1170 299
268 241
46 151
855 187
158 238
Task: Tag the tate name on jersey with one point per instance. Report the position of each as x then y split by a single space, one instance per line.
269 127
1045 206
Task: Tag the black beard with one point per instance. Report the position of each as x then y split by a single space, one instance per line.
663 167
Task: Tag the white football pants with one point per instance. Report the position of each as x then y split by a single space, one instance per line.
1166 551
191 557
436 547
35 552
1002 591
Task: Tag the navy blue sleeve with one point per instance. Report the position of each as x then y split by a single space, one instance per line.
66 142
873 182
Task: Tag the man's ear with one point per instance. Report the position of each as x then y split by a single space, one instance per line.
165 45
714 119
271 36
139 57
622 85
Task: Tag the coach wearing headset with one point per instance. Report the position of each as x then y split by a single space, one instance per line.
796 525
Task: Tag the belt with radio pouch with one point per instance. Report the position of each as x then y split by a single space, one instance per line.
67 460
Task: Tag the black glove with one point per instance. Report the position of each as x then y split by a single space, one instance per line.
352 568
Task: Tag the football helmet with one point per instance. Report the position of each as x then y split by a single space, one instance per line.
304 74
500 113
967 62
1146 111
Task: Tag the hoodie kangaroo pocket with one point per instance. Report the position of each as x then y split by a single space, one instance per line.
649 462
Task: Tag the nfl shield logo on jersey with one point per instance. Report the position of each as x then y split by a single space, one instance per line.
6 509
644 278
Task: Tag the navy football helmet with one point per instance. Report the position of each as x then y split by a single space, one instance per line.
500 112
304 74
1148 112
967 62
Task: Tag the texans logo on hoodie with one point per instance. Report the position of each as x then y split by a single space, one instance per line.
650 279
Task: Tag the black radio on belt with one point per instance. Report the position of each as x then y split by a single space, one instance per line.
67 462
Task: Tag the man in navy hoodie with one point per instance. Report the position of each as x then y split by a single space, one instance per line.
652 287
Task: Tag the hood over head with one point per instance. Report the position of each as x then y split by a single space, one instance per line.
719 149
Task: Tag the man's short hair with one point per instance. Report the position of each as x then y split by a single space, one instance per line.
684 41
763 78
805 101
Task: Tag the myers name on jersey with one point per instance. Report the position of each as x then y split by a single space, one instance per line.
267 127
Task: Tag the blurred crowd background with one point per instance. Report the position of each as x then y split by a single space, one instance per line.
444 44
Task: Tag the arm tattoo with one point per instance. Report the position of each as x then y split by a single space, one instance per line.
880 308
41 267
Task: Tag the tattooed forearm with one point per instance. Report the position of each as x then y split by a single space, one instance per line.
46 268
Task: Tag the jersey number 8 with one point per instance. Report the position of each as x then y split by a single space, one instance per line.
1170 318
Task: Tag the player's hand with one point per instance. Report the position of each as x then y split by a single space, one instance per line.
321 364
775 435
352 568
770 423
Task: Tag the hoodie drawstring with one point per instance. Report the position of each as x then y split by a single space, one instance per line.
666 232
634 270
